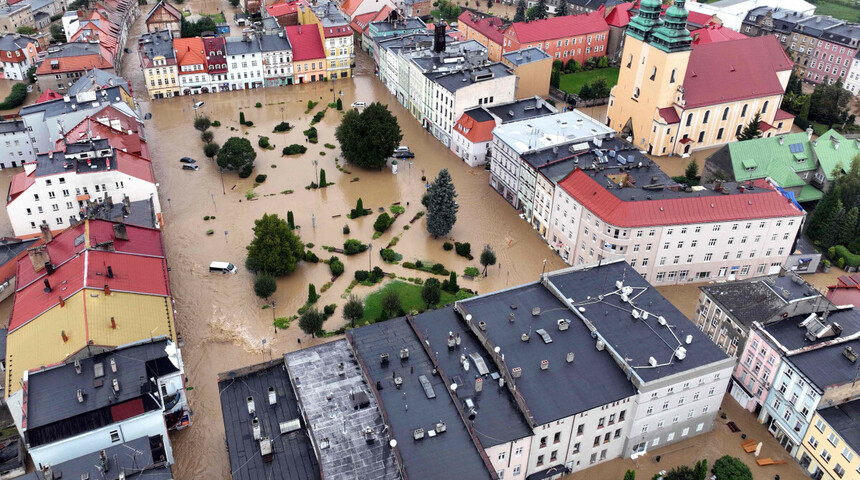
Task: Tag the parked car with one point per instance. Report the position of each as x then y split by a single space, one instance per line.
401 148
126 50
147 116
222 267
198 105
404 155
190 167
358 105
187 160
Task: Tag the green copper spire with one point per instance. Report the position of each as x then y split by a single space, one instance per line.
641 25
673 35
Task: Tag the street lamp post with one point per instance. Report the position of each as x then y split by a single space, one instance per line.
316 175
370 256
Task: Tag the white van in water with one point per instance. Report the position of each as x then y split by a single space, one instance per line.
401 149
222 267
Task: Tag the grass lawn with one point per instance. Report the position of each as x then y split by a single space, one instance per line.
217 17
410 298
573 82
825 7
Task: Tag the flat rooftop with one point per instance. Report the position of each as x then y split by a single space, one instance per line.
497 420
454 81
565 388
293 457
759 299
526 55
636 339
550 130
410 407
789 333
524 109
340 407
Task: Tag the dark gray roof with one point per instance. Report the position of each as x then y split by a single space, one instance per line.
827 366
293 457
498 420
415 40
526 55
274 43
845 420
52 163
242 46
636 339
134 458
10 41
338 405
816 25
408 408
96 78
53 108
51 393
564 389
157 44
759 299
843 34
521 109
410 23
792 337
11 247
783 20
73 49
456 80
13 126
479 114
141 212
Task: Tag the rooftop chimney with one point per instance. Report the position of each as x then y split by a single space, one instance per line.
39 257
107 288
120 232
109 272
65 337
439 37
62 302
46 233
47 286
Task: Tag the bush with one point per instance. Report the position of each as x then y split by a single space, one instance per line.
241 118
246 171
312 104
419 264
258 105
312 293
211 149
346 229
294 149
216 123
383 221
336 267
263 142
388 255
249 123
463 249
450 285
311 257
437 268
408 265
260 178
202 123
15 98
397 210
282 127
842 253
376 274
362 275
329 309
448 246
731 468
265 285
471 272
329 146
311 134
318 117
353 246
207 136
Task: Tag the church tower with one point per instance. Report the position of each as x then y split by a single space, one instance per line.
653 64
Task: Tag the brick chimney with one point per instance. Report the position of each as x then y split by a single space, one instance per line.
107 289
39 257
46 233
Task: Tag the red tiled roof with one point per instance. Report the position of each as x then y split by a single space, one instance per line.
350 6
48 96
134 165
20 183
490 27
382 14
75 64
762 203
98 126
734 70
189 51
699 18
782 115
282 8
670 115
473 130
359 22
846 291
764 126
558 27
620 15
307 44
715 33
334 32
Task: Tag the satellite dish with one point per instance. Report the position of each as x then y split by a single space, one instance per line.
497 349
469 317
453 387
392 443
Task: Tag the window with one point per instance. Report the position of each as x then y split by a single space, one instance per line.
557 437
840 472
653 73
744 111
833 439
516 470
726 113
503 455
707 116
825 455
114 436
543 442
848 454
672 78
540 460
813 441
689 119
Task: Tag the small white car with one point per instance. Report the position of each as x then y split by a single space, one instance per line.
222 267
358 105
198 105
401 149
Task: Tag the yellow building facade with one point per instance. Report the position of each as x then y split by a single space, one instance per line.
653 107
825 452
162 80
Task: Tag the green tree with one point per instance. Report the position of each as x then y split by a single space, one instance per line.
353 310
336 267
489 5
555 79
291 222
311 321
540 10
630 475
57 33
806 107
265 285
275 249
368 138
322 178
829 103
752 130
441 206
692 170
450 285
383 221
586 93
830 236
202 123
700 472
681 472
431 292
241 118
16 97
848 227
211 149
339 104
31 74
312 293
390 302
563 9
599 88
731 468
488 257
207 136
821 217
237 154
795 84
195 29
520 15
26 30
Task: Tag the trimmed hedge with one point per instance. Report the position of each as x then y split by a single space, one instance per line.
840 252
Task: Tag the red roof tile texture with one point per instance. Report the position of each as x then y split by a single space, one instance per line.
715 33
306 42
473 130
734 70
620 15
490 27
559 27
762 203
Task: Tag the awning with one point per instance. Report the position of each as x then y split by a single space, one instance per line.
549 472
82 198
686 140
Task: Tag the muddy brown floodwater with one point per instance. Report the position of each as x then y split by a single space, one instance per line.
221 321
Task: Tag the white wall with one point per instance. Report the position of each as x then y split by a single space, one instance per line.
245 68
509 459
473 154
16 147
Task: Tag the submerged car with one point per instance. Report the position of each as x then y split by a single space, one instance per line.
190 167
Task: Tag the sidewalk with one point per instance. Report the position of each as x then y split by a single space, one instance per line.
713 445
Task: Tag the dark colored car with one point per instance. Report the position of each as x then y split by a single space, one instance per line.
404 155
190 167
187 160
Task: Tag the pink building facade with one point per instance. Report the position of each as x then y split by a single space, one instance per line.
755 371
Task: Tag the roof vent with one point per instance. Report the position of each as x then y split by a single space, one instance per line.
383 358
482 325
681 353
516 372
544 364
570 356
398 381
78 367
250 403
113 365
524 337
563 324
418 433
80 396
689 339
636 314
115 385
404 353
600 345
511 317
652 361
273 396
536 311
661 320
341 369
441 427
848 353
255 428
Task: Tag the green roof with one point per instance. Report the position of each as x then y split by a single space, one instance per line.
772 159
784 175
749 163
809 193
830 157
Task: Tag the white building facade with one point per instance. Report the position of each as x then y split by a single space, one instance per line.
245 63
16 146
852 80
